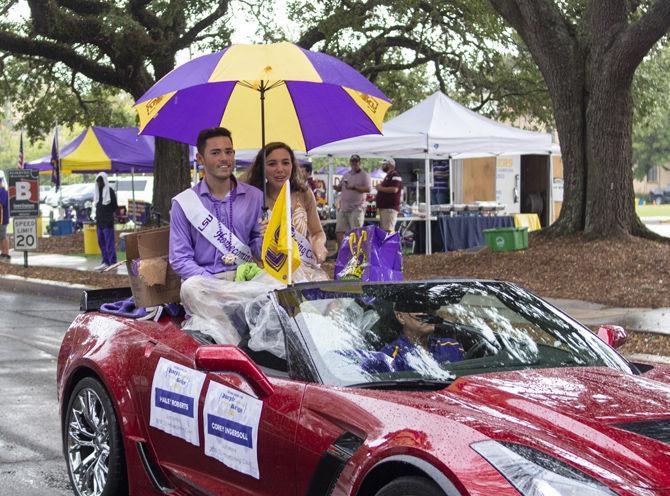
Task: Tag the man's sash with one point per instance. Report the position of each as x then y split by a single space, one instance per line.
216 233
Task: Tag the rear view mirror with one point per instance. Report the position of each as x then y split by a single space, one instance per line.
613 335
228 358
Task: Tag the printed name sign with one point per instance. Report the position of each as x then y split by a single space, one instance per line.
231 432
175 392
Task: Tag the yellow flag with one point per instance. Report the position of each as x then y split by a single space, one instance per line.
278 255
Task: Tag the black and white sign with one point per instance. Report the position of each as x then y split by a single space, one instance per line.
24 193
25 234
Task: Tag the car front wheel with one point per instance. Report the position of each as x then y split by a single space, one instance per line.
92 442
410 486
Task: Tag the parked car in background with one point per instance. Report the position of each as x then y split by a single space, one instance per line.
143 185
660 195
71 195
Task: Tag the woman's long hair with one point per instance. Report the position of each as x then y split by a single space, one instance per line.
254 175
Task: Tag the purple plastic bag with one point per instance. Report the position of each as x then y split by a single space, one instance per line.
369 254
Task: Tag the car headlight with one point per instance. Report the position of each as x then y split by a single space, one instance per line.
534 473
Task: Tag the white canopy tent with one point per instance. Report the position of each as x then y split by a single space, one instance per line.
440 128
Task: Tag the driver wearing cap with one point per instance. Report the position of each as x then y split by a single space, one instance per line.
418 328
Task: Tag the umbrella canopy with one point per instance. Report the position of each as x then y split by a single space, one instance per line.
264 93
116 150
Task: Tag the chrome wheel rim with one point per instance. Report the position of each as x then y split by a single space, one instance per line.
88 443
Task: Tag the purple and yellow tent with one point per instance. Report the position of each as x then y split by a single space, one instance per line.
109 149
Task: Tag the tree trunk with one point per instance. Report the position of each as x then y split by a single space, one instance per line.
569 101
172 175
610 204
588 63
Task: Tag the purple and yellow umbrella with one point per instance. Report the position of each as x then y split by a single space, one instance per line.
264 93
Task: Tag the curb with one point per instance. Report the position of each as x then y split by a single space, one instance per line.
18 284
655 220
645 357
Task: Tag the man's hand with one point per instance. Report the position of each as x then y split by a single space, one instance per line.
263 226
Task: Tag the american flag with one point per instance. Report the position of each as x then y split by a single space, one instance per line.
21 163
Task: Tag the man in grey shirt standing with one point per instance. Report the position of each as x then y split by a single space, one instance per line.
355 185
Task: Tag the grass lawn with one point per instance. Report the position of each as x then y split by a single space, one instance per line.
653 210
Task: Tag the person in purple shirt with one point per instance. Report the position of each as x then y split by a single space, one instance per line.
4 217
229 210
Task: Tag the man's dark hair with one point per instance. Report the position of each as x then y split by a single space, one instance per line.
211 132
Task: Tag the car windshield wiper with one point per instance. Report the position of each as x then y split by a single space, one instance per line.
405 383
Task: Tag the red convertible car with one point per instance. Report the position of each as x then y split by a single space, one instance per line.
450 387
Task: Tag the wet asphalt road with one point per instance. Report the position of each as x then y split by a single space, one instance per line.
31 329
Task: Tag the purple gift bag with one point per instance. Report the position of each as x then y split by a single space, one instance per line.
369 254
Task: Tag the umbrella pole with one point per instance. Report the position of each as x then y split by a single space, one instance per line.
132 183
265 207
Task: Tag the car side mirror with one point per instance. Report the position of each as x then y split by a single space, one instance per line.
613 335
228 358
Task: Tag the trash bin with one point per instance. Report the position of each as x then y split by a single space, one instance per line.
91 240
506 238
62 227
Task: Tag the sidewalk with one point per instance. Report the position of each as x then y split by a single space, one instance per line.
655 320
61 261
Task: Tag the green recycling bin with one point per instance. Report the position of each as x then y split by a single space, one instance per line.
506 238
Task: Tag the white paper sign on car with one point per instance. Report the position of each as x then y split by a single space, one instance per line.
175 392
231 428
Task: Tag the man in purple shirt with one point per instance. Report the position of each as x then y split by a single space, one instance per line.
214 226
4 218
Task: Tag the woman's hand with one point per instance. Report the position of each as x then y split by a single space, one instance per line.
319 248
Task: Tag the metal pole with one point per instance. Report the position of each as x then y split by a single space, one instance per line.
289 241
331 170
451 181
550 193
132 185
265 207
429 240
25 259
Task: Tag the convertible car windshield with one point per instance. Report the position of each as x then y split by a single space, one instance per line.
427 334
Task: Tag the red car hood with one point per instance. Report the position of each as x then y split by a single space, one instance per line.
580 415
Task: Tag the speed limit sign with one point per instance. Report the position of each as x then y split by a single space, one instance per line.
25 233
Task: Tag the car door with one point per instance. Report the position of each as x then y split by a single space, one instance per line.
262 466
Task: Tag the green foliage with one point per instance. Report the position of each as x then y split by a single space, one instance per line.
79 62
9 146
44 95
411 48
651 131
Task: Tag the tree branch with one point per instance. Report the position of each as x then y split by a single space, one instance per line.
190 36
138 9
85 7
642 35
58 52
7 7
311 37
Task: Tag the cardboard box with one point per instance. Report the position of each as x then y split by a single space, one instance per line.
152 280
